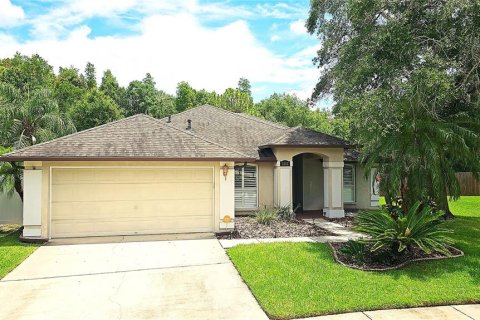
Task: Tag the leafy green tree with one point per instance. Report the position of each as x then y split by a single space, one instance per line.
416 150
372 46
94 109
388 64
111 88
26 73
245 86
69 87
292 111
140 96
164 106
26 118
30 117
90 76
235 100
186 97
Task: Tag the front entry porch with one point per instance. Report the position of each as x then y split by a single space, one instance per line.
310 179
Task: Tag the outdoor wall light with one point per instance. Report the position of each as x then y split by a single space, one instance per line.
225 170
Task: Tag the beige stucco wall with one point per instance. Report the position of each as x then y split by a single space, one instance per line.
328 154
362 190
46 166
265 185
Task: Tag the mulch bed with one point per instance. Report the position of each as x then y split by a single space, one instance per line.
249 228
401 261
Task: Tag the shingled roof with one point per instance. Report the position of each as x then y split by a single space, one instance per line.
139 137
215 134
304 137
248 134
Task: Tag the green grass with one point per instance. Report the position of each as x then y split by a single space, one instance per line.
13 252
293 280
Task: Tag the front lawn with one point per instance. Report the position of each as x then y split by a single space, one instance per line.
13 252
292 280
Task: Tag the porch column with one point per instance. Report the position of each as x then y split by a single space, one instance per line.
282 180
32 203
227 196
333 189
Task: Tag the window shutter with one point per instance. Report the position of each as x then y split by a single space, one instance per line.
348 183
246 187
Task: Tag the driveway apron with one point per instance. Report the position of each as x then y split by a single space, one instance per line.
183 279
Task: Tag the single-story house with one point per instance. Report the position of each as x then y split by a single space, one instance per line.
190 172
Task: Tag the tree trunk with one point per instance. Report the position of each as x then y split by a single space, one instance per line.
18 187
446 208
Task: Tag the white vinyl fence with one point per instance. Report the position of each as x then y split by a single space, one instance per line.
11 209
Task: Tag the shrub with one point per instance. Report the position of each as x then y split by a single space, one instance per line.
422 228
266 216
286 213
355 250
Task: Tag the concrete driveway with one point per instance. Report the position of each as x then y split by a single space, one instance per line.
183 279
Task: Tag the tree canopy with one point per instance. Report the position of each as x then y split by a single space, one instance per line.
405 77
37 105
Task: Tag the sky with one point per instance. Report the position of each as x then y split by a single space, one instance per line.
210 44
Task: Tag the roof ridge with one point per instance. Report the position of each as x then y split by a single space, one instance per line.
283 135
326 134
290 130
75 133
249 117
196 136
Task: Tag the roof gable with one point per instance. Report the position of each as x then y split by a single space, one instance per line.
137 137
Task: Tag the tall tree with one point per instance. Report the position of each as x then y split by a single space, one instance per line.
164 105
94 109
293 111
27 118
235 100
417 149
369 46
245 86
111 88
140 96
90 76
68 88
30 117
378 54
26 73
186 97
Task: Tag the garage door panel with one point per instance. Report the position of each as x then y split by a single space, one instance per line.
120 192
131 175
107 227
102 210
123 201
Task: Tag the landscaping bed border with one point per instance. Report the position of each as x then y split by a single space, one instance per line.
399 266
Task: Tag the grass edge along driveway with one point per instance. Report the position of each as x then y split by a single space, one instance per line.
13 252
292 280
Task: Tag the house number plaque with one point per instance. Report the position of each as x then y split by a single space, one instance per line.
284 163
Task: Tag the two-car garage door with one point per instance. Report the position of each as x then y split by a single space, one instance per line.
128 201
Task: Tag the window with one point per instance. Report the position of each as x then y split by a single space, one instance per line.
349 183
246 187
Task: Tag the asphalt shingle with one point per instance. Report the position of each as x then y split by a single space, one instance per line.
136 137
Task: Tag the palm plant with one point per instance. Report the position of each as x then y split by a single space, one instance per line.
27 117
31 116
11 179
418 150
419 227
